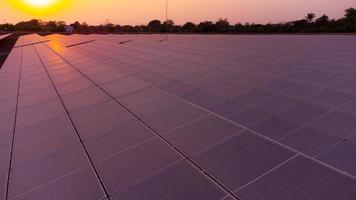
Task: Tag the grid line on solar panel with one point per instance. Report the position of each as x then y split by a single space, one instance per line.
269 187
310 122
237 161
121 170
41 130
125 150
188 176
311 141
336 169
266 173
44 146
346 149
46 168
337 123
49 183
203 133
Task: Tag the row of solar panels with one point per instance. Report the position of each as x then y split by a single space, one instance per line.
3 36
196 117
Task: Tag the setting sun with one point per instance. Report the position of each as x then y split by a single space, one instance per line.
39 7
40 3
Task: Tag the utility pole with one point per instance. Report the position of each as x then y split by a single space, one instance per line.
166 20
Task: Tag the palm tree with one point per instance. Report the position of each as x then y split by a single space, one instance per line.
310 17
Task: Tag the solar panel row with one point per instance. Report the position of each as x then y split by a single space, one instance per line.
196 117
9 81
4 36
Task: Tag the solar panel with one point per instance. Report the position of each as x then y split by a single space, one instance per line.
85 42
4 36
345 150
178 182
285 183
9 79
236 162
310 141
196 117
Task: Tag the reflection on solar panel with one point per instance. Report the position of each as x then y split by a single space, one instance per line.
193 118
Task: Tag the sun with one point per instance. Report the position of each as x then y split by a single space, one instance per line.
39 7
40 3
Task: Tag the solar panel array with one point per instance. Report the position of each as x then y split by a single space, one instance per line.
127 117
4 36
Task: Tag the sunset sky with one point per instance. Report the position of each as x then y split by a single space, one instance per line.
141 11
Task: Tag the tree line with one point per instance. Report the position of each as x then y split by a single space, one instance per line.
309 24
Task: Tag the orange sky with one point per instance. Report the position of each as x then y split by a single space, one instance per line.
141 11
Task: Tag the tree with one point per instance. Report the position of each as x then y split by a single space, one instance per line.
349 21
60 26
32 25
239 28
308 24
127 29
323 20
189 27
322 24
100 28
154 25
76 25
51 26
206 27
299 25
109 27
167 25
7 27
310 17
83 27
222 25
350 13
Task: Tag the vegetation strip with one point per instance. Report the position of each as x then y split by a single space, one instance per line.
309 24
